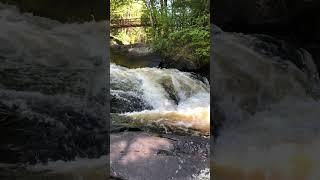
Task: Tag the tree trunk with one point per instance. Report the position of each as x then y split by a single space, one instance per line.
161 7
150 8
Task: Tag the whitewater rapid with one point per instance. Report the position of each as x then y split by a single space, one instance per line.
168 95
268 93
52 89
31 40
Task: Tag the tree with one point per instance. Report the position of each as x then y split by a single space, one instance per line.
176 22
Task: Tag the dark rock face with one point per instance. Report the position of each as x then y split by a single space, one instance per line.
51 114
134 56
71 10
37 128
178 63
293 21
267 15
186 66
128 104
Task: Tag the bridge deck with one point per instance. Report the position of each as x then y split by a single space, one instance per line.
126 23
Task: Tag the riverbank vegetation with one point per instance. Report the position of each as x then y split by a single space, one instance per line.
175 29
126 10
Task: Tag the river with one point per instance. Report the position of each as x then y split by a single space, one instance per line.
166 96
54 103
168 102
52 98
54 74
268 91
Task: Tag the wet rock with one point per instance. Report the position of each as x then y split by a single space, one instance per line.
167 84
138 49
38 128
134 56
138 155
179 63
128 104
186 64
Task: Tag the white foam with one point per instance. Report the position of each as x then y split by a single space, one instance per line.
30 39
153 84
283 132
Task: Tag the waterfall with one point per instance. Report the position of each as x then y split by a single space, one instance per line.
161 95
36 41
266 89
51 77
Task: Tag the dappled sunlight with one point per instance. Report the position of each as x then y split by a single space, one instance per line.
137 148
144 147
118 146
141 154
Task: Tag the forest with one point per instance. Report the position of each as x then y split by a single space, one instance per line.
173 28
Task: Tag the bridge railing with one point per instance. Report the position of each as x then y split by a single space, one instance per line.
132 22
121 21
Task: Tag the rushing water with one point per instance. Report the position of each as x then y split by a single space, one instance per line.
268 92
166 96
38 42
30 40
52 96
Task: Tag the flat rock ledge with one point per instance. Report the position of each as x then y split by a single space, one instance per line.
142 155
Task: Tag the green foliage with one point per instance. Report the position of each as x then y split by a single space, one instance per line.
123 9
179 27
126 9
130 36
193 38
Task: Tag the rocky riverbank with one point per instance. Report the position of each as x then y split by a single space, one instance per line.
136 155
151 124
180 61
157 151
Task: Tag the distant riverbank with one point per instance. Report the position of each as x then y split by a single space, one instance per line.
142 55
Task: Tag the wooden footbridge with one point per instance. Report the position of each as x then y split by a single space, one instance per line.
128 23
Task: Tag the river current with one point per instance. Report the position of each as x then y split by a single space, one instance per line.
54 83
162 95
268 91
